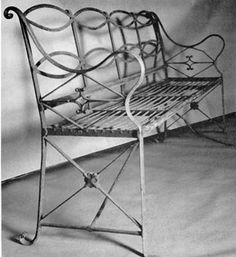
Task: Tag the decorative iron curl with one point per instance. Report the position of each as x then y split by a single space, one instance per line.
131 92
119 23
190 63
9 15
26 25
194 46
125 58
135 18
105 15
8 12
143 14
153 43
108 18
66 25
99 49
47 56
57 76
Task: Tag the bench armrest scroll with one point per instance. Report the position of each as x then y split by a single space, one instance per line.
195 44
130 94
195 47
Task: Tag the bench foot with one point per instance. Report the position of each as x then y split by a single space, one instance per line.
161 135
24 239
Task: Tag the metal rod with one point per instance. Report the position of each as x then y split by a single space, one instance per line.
205 114
23 238
113 47
206 92
75 31
118 206
66 200
223 105
105 114
112 116
117 120
178 118
104 86
202 135
110 163
143 191
63 116
93 229
80 169
140 46
59 86
134 147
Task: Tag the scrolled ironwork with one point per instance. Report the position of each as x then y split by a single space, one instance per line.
49 6
125 58
132 107
8 12
97 50
24 21
194 46
133 17
122 21
27 23
134 88
91 9
190 62
57 53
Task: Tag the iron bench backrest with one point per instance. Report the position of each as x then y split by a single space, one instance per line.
85 38
87 54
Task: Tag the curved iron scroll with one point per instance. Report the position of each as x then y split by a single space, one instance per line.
190 62
27 23
22 18
49 104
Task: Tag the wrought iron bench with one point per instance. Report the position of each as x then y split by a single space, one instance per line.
110 75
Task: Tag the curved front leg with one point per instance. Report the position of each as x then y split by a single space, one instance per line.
23 238
141 152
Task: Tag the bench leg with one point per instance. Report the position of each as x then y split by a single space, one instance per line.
193 130
23 238
221 128
161 135
143 191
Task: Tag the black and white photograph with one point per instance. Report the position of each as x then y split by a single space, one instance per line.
118 128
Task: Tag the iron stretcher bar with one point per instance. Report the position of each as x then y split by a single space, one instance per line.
95 229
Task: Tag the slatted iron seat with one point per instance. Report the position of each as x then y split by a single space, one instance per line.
122 79
150 105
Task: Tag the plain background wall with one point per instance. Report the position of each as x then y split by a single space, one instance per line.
185 20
